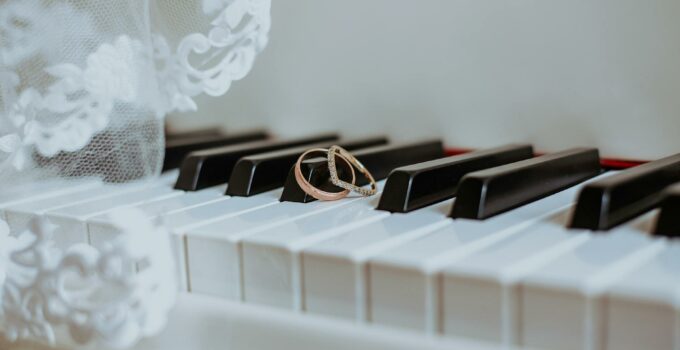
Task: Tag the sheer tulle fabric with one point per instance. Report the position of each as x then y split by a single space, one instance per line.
85 84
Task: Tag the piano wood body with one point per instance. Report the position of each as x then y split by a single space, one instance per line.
201 322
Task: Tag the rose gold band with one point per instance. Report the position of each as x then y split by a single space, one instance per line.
313 191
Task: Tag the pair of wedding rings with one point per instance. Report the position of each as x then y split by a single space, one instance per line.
332 154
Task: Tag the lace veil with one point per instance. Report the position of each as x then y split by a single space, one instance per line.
84 85
84 88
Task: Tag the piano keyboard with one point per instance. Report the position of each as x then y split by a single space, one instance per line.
544 252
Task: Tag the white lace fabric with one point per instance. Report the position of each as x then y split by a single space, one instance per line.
84 88
85 84
112 297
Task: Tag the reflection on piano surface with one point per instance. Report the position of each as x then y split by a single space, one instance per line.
500 245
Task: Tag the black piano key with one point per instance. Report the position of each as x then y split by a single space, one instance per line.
211 167
486 193
380 161
415 186
668 222
608 202
266 171
177 148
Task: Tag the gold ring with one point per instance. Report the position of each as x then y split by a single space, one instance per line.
313 191
344 154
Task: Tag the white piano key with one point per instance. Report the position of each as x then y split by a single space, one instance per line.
187 200
37 188
19 215
413 269
404 282
101 229
271 259
561 303
169 177
71 221
180 222
214 250
478 293
643 307
44 190
334 270
44 193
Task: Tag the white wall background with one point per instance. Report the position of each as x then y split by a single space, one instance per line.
557 73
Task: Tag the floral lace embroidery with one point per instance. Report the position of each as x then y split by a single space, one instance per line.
118 294
7 244
84 97
239 31
111 297
81 99
11 143
79 103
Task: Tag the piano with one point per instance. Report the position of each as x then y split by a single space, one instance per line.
529 192
493 247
